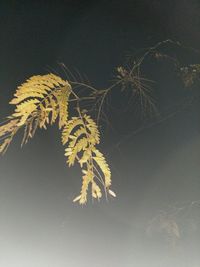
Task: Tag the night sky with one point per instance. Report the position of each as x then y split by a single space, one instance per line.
152 171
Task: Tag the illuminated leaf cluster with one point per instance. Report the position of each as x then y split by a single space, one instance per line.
82 135
43 100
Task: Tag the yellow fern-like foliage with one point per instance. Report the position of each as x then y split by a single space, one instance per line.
7 132
41 95
40 101
82 135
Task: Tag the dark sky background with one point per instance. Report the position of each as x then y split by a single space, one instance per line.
151 171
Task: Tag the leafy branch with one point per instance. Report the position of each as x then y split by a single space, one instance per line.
46 99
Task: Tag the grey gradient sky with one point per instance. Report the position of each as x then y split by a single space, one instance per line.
154 170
